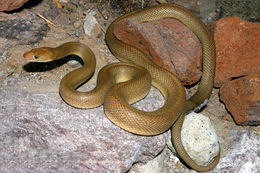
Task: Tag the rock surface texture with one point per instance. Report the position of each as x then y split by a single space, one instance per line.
24 27
8 5
242 98
91 27
39 131
242 156
199 138
237 47
167 42
243 153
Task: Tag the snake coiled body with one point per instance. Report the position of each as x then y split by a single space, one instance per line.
121 84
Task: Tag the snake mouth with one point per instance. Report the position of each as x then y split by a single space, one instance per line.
26 56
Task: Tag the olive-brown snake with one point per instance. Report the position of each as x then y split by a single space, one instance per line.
121 84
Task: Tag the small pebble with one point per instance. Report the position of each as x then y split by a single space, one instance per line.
77 24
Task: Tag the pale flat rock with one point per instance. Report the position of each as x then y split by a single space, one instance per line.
91 27
39 132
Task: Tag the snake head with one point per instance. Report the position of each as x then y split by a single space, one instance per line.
43 54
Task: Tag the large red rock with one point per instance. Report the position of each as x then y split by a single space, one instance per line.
237 48
242 98
8 5
167 42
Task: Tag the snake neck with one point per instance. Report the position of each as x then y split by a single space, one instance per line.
78 49
76 77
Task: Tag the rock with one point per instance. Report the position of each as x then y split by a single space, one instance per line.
38 129
243 153
164 162
153 166
246 9
199 138
77 24
167 42
39 133
5 44
11 4
91 27
242 156
63 1
237 48
24 28
242 98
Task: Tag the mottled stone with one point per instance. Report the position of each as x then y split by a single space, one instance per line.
5 44
25 28
8 5
242 98
246 9
167 42
243 153
164 162
91 27
199 138
237 48
39 132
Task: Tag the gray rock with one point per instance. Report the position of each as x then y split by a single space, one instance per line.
242 157
243 153
91 26
245 9
41 133
24 28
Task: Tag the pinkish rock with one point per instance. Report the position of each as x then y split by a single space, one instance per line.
242 98
8 5
167 42
243 153
51 135
238 48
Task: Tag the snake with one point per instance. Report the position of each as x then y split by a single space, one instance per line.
121 84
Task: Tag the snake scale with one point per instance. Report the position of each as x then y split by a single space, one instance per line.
121 84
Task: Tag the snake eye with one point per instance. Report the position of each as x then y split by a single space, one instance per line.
36 56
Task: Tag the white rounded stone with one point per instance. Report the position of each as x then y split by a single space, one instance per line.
199 138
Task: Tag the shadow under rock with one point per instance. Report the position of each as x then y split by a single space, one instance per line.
28 5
